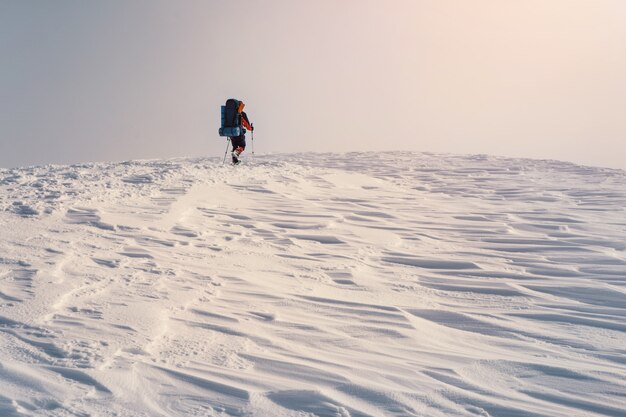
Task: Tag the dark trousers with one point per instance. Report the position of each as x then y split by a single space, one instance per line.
238 141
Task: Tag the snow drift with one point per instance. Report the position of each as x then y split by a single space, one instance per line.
313 285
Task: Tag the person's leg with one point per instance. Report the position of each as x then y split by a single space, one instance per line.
233 142
239 144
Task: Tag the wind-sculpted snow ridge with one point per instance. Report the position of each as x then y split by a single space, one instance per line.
368 284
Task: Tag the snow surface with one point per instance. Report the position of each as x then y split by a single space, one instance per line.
313 285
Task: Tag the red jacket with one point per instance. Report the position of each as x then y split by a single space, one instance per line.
244 121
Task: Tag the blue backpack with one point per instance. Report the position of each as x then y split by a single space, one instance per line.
231 120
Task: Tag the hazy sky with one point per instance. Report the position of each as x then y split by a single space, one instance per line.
106 80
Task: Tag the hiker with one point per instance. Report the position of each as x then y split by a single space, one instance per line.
234 124
239 142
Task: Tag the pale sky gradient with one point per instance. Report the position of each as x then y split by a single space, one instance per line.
85 80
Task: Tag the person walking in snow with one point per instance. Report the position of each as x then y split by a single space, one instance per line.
239 142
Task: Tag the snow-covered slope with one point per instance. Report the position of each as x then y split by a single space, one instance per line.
313 285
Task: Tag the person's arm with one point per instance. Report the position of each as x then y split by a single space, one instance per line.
245 122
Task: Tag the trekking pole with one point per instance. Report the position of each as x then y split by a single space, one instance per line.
252 125
226 151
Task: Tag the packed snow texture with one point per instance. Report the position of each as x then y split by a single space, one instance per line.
313 285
